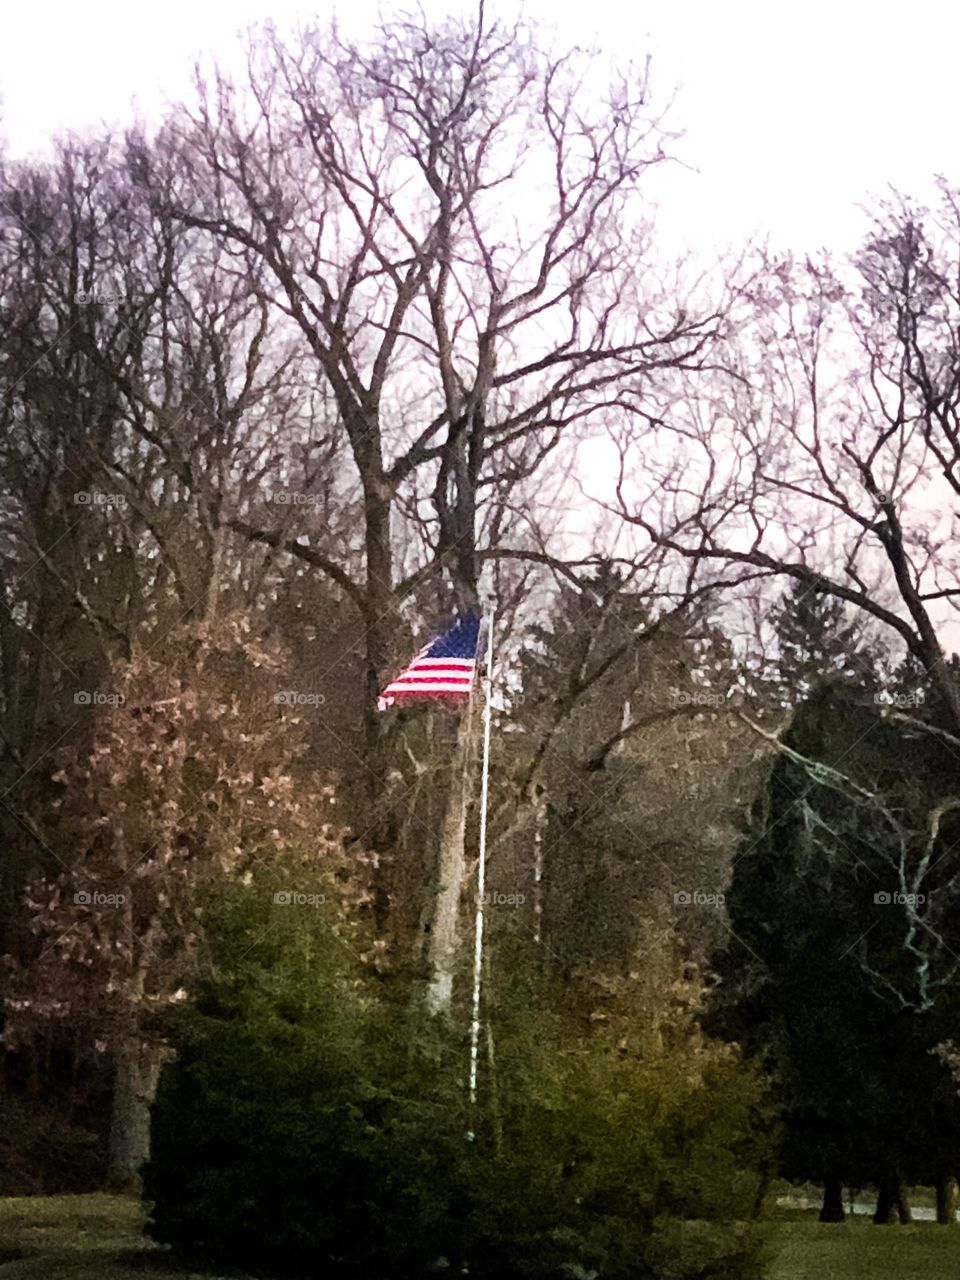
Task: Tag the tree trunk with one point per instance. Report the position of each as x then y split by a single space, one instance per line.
33 1067
135 1084
947 1193
764 1182
451 870
892 1204
832 1208
380 619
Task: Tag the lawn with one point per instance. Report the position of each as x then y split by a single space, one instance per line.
803 1249
100 1237
93 1237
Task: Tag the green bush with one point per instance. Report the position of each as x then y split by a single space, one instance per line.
297 1132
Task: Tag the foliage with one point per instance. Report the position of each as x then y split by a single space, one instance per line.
287 356
187 779
623 737
840 971
297 1129
818 642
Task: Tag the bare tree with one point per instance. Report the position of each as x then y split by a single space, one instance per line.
135 383
451 221
829 453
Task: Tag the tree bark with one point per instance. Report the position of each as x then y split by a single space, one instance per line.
764 1183
135 1084
892 1204
832 1209
947 1195
451 869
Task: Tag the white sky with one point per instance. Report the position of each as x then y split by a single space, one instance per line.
794 113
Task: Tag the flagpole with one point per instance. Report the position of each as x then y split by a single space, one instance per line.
481 877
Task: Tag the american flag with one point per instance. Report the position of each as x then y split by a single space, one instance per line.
443 669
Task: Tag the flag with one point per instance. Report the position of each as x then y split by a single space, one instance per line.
444 669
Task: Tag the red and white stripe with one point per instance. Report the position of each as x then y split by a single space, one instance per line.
430 678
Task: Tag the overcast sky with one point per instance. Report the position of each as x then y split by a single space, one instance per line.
793 113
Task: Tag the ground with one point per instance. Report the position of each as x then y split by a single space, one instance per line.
93 1237
100 1237
804 1249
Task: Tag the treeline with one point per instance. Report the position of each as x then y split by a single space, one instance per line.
286 383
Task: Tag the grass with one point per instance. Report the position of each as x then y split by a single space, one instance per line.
89 1237
100 1237
803 1249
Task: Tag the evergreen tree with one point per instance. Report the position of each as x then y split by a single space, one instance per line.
624 725
818 643
833 978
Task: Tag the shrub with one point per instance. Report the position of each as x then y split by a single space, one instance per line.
297 1132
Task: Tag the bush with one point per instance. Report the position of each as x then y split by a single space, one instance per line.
45 1151
297 1133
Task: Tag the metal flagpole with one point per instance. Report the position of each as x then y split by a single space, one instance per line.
481 876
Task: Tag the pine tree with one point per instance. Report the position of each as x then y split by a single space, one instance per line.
836 983
817 643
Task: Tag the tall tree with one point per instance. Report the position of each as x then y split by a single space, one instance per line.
839 971
628 768
188 780
363 186
818 641
830 457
